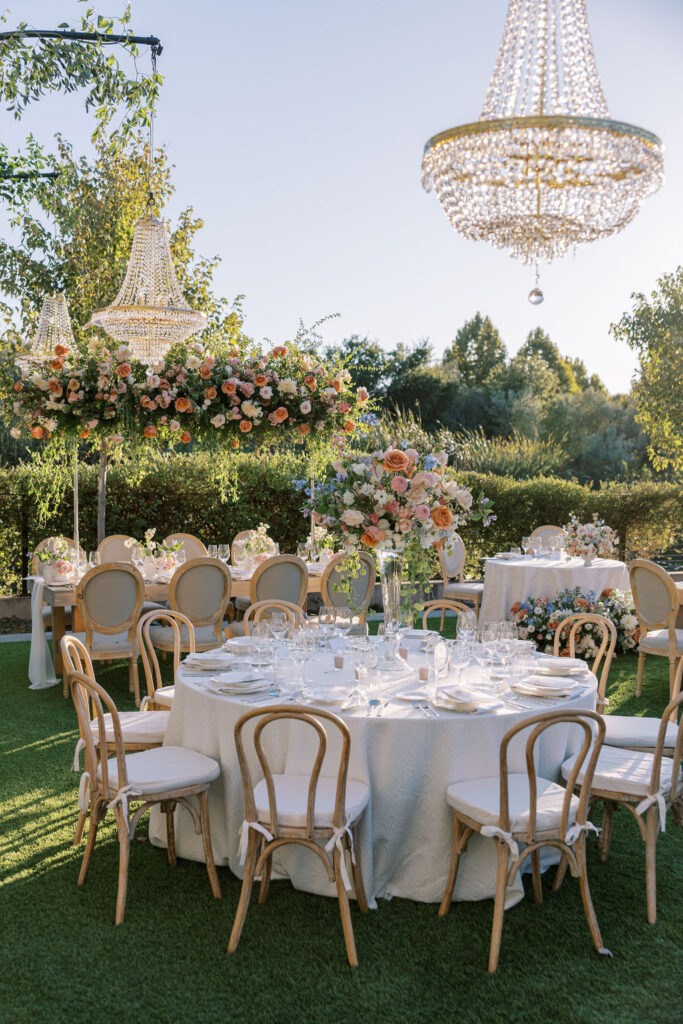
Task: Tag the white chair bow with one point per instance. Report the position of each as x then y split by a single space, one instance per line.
336 840
494 831
244 836
658 798
575 830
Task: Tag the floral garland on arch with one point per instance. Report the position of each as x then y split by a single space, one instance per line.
191 394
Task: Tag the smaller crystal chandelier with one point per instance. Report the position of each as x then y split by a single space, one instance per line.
150 312
54 328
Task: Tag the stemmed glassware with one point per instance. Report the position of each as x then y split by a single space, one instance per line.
466 628
535 546
526 545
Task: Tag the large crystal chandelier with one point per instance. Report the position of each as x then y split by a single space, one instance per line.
150 312
544 167
54 328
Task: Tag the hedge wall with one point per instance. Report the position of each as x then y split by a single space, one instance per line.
190 493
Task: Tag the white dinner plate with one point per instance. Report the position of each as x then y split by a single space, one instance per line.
549 693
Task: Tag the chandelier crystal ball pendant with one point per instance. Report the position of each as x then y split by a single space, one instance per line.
544 167
150 312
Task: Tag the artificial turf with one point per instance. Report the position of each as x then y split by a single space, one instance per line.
63 960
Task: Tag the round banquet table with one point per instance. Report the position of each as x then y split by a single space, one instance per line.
407 759
509 580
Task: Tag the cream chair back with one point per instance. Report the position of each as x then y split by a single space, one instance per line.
264 609
568 632
654 595
192 546
150 660
361 585
452 558
113 549
110 599
546 533
36 564
200 590
284 577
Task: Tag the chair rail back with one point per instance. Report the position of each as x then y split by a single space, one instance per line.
607 647
654 595
86 693
191 545
264 609
546 531
444 604
150 659
115 549
110 598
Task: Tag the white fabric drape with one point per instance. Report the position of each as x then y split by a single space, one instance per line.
41 670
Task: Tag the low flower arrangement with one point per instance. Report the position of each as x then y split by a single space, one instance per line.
190 393
538 617
590 540
162 553
255 547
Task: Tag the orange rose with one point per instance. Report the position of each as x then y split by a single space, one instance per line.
235 443
228 387
368 539
279 351
205 371
185 437
57 364
349 427
311 382
124 369
18 386
280 414
73 384
336 384
54 386
260 380
441 517
61 350
395 461
183 404
37 432
84 434
245 426
150 431
304 428
210 393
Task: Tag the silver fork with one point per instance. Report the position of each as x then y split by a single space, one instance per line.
425 709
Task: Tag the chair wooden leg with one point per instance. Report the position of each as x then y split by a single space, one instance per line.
124 856
651 830
80 826
133 681
639 677
606 833
208 849
499 905
245 895
580 851
536 876
560 873
358 883
443 619
90 844
345 911
168 807
265 880
453 869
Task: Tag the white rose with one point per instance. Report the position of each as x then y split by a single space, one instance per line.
193 363
352 517
175 424
359 468
154 381
217 421
250 410
123 353
15 432
266 393
464 499
305 407
348 498
287 386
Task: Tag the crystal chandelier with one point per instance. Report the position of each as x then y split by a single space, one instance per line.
544 167
54 328
150 312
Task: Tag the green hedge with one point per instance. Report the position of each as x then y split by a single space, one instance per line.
216 497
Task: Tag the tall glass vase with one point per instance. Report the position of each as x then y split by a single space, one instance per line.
390 571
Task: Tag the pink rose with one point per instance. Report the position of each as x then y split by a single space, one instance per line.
373 517
399 484
246 388
422 512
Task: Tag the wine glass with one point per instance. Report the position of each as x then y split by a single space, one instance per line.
535 546
94 558
467 625
526 545
212 550
458 657
224 552
343 621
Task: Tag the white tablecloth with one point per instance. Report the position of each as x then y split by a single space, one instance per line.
408 761
506 582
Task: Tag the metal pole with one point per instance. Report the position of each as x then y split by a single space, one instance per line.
82 37
77 539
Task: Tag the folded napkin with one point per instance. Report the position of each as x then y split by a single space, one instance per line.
237 680
208 657
548 682
456 700
551 666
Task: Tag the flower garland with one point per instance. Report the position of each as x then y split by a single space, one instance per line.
190 394
538 617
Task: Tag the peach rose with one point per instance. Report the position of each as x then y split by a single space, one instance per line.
336 384
279 350
310 382
280 414
368 539
61 350
185 437
183 404
210 393
124 370
73 384
304 428
57 364
37 432
349 427
441 517
362 395
260 380
344 407
150 430
55 387
228 387
399 484
205 372
245 426
84 433
395 461
18 386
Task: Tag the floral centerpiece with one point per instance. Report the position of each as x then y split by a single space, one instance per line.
56 560
399 504
158 553
590 540
538 617
255 547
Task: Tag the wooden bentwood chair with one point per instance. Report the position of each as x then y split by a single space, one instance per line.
452 561
444 605
262 611
138 730
547 532
199 591
655 597
159 696
284 809
167 776
515 808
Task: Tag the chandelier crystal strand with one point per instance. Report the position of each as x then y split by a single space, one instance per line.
54 328
545 167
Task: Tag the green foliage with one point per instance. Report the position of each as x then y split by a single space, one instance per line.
516 456
476 352
655 330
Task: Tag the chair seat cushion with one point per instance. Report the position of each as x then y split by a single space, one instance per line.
479 799
163 769
164 696
151 606
658 641
623 771
236 629
136 727
291 797
162 637
468 588
626 731
117 643
242 603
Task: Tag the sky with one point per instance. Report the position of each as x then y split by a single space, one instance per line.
297 132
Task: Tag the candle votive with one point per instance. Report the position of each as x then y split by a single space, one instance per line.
423 673
403 652
338 662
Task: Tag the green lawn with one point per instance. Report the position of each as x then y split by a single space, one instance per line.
62 959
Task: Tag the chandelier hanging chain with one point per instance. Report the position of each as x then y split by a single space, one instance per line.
150 168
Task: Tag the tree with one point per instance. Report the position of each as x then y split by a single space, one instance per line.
477 350
366 360
655 331
32 68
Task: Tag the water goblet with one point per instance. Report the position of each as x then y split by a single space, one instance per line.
526 545
212 550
